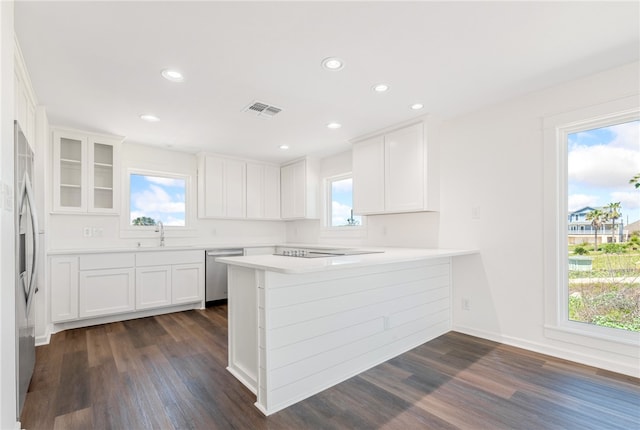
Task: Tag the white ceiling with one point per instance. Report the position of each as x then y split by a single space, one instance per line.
96 65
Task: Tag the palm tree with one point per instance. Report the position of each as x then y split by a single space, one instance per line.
597 218
635 181
613 215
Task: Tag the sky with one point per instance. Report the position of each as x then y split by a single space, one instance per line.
342 202
159 198
601 162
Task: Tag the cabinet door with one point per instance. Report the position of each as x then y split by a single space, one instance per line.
187 283
102 176
235 188
69 172
263 191
293 190
286 192
271 192
25 109
107 291
63 281
153 287
255 190
214 187
368 176
224 188
404 170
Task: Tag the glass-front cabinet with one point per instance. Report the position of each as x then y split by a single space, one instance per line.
84 172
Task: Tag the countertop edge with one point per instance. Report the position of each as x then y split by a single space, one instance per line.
152 249
391 256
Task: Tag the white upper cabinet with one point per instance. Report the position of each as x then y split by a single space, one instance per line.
263 191
368 176
85 172
404 167
221 187
236 188
299 189
392 173
25 99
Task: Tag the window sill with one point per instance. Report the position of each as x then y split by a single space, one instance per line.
568 332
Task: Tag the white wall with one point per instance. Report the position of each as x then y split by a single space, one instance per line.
66 231
493 160
7 244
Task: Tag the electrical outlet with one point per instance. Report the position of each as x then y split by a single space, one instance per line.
96 232
475 212
86 231
466 304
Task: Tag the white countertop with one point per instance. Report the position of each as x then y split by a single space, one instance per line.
282 264
149 248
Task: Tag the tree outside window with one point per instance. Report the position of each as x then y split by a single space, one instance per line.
156 198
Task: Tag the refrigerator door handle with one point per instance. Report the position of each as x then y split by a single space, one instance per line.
27 197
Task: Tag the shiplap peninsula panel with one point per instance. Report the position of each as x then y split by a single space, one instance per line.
316 331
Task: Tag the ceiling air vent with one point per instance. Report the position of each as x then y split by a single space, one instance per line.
262 110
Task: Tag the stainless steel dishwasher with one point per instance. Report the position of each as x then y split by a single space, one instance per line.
216 273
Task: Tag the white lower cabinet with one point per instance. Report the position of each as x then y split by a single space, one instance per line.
106 292
186 282
166 278
64 288
153 287
96 285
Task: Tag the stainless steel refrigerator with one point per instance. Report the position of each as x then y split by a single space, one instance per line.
26 264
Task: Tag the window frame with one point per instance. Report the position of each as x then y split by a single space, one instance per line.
327 208
555 176
128 230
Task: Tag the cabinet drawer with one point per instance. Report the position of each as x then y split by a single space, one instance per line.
161 258
106 261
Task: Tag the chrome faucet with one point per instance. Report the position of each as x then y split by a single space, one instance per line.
160 228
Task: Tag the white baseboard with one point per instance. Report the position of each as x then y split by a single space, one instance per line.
565 354
43 340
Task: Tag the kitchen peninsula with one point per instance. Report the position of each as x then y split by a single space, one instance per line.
298 326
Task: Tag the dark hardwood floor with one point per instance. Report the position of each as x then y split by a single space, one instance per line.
168 372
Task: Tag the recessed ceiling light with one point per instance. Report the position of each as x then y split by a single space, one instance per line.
334 125
380 88
149 118
332 63
172 75
283 147
416 106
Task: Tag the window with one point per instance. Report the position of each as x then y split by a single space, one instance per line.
155 197
603 277
591 291
340 203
